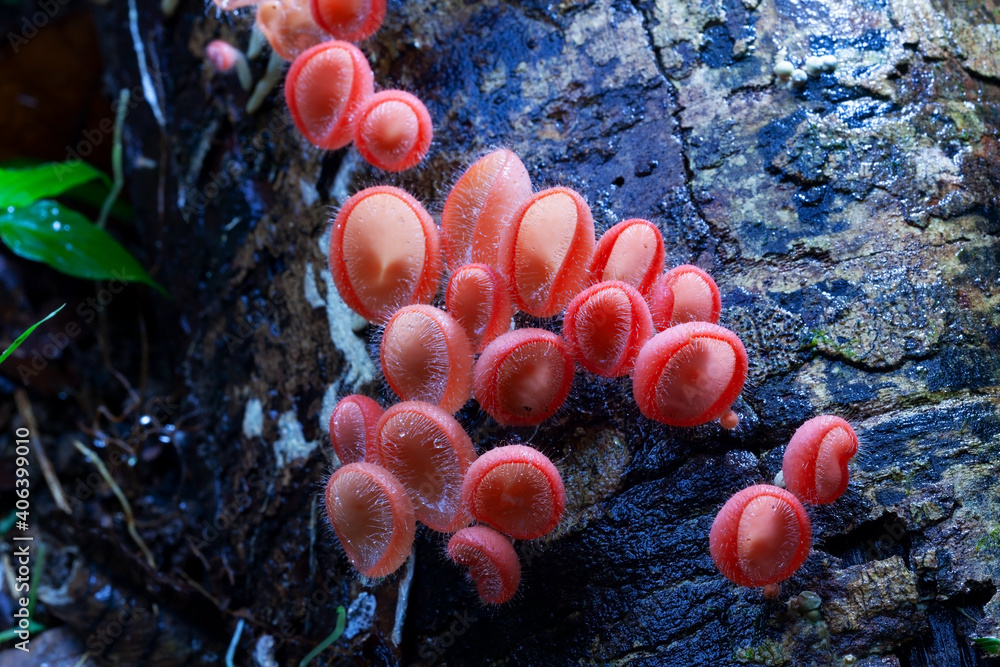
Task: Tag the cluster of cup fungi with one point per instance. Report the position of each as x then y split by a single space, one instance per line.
506 248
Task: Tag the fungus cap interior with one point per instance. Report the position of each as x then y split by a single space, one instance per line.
384 251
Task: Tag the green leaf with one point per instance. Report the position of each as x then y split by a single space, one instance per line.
21 339
48 232
10 634
20 187
989 644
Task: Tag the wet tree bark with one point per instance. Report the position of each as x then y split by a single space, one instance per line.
852 226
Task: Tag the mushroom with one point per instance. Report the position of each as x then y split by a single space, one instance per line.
694 297
372 516
606 325
426 355
515 489
478 210
384 252
352 428
324 89
815 463
546 252
429 452
350 20
523 377
760 537
393 130
632 252
689 374
478 298
491 559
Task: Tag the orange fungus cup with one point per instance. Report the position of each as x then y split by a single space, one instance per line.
491 559
288 27
684 294
372 516
606 325
689 374
480 208
478 298
632 252
350 20
517 490
385 252
523 377
760 537
815 463
546 252
393 130
324 89
427 356
429 453
352 428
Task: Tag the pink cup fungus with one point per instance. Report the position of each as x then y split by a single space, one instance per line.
523 377
479 208
632 252
689 374
324 89
815 463
427 356
227 58
515 489
384 252
429 453
349 20
289 27
372 516
393 130
760 537
693 297
605 327
477 296
352 428
546 252
491 559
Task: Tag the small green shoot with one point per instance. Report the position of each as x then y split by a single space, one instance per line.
24 336
334 636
